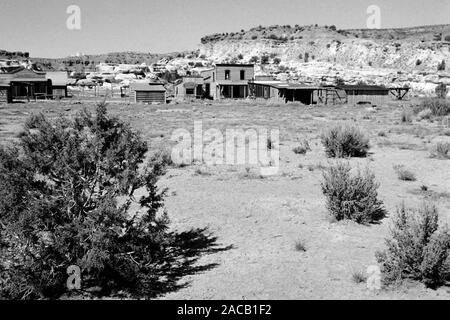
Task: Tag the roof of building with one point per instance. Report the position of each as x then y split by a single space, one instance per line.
362 87
232 83
59 78
286 85
157 87
234 65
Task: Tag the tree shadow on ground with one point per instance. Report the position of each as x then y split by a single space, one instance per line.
181 259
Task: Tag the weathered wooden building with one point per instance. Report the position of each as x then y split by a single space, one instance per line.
59 83
285 92
228 81
147 93
24 84
190 87
356 94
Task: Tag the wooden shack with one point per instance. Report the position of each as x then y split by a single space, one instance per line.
357 94
59 83
284 91
190 87
147 93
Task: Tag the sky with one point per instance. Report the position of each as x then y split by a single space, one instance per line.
162 26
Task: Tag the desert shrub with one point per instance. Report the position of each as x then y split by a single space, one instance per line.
300 246
163 156
79 176
418 62
359 277
254 37
425 114
254 59
404 174
447 38
417 249
240 56
306 57
345 141
441 66
438 107
352 197
303 148
276 60
441 91
264 59
441 150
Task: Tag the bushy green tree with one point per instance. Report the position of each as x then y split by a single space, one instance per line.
68 197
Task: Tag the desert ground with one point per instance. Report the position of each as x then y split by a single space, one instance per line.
259 220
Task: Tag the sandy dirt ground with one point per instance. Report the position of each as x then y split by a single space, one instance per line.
262 219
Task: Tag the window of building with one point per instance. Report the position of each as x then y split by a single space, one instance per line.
227 74
242 74
190 91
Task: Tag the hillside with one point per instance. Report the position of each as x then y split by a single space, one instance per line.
323 54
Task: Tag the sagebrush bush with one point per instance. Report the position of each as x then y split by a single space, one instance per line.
65 199
416 249
345 141
441 150
404 174
438 107
353 197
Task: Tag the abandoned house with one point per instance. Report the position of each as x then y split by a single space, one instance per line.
190 87
24 84
147 93
228 81
59 83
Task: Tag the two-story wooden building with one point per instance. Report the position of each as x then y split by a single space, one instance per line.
228 81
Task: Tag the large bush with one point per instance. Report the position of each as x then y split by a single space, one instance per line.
65 199
417 249
352 197
345 141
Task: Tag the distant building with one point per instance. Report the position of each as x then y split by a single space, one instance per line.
285 91
365 94
147 93
190 87
59 83
24 84
228 81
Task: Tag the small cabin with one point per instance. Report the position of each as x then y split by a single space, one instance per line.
151 93
59 83
357 94
190 87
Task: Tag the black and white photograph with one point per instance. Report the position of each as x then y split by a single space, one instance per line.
248 151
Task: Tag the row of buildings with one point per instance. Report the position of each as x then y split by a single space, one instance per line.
223 81
238 81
